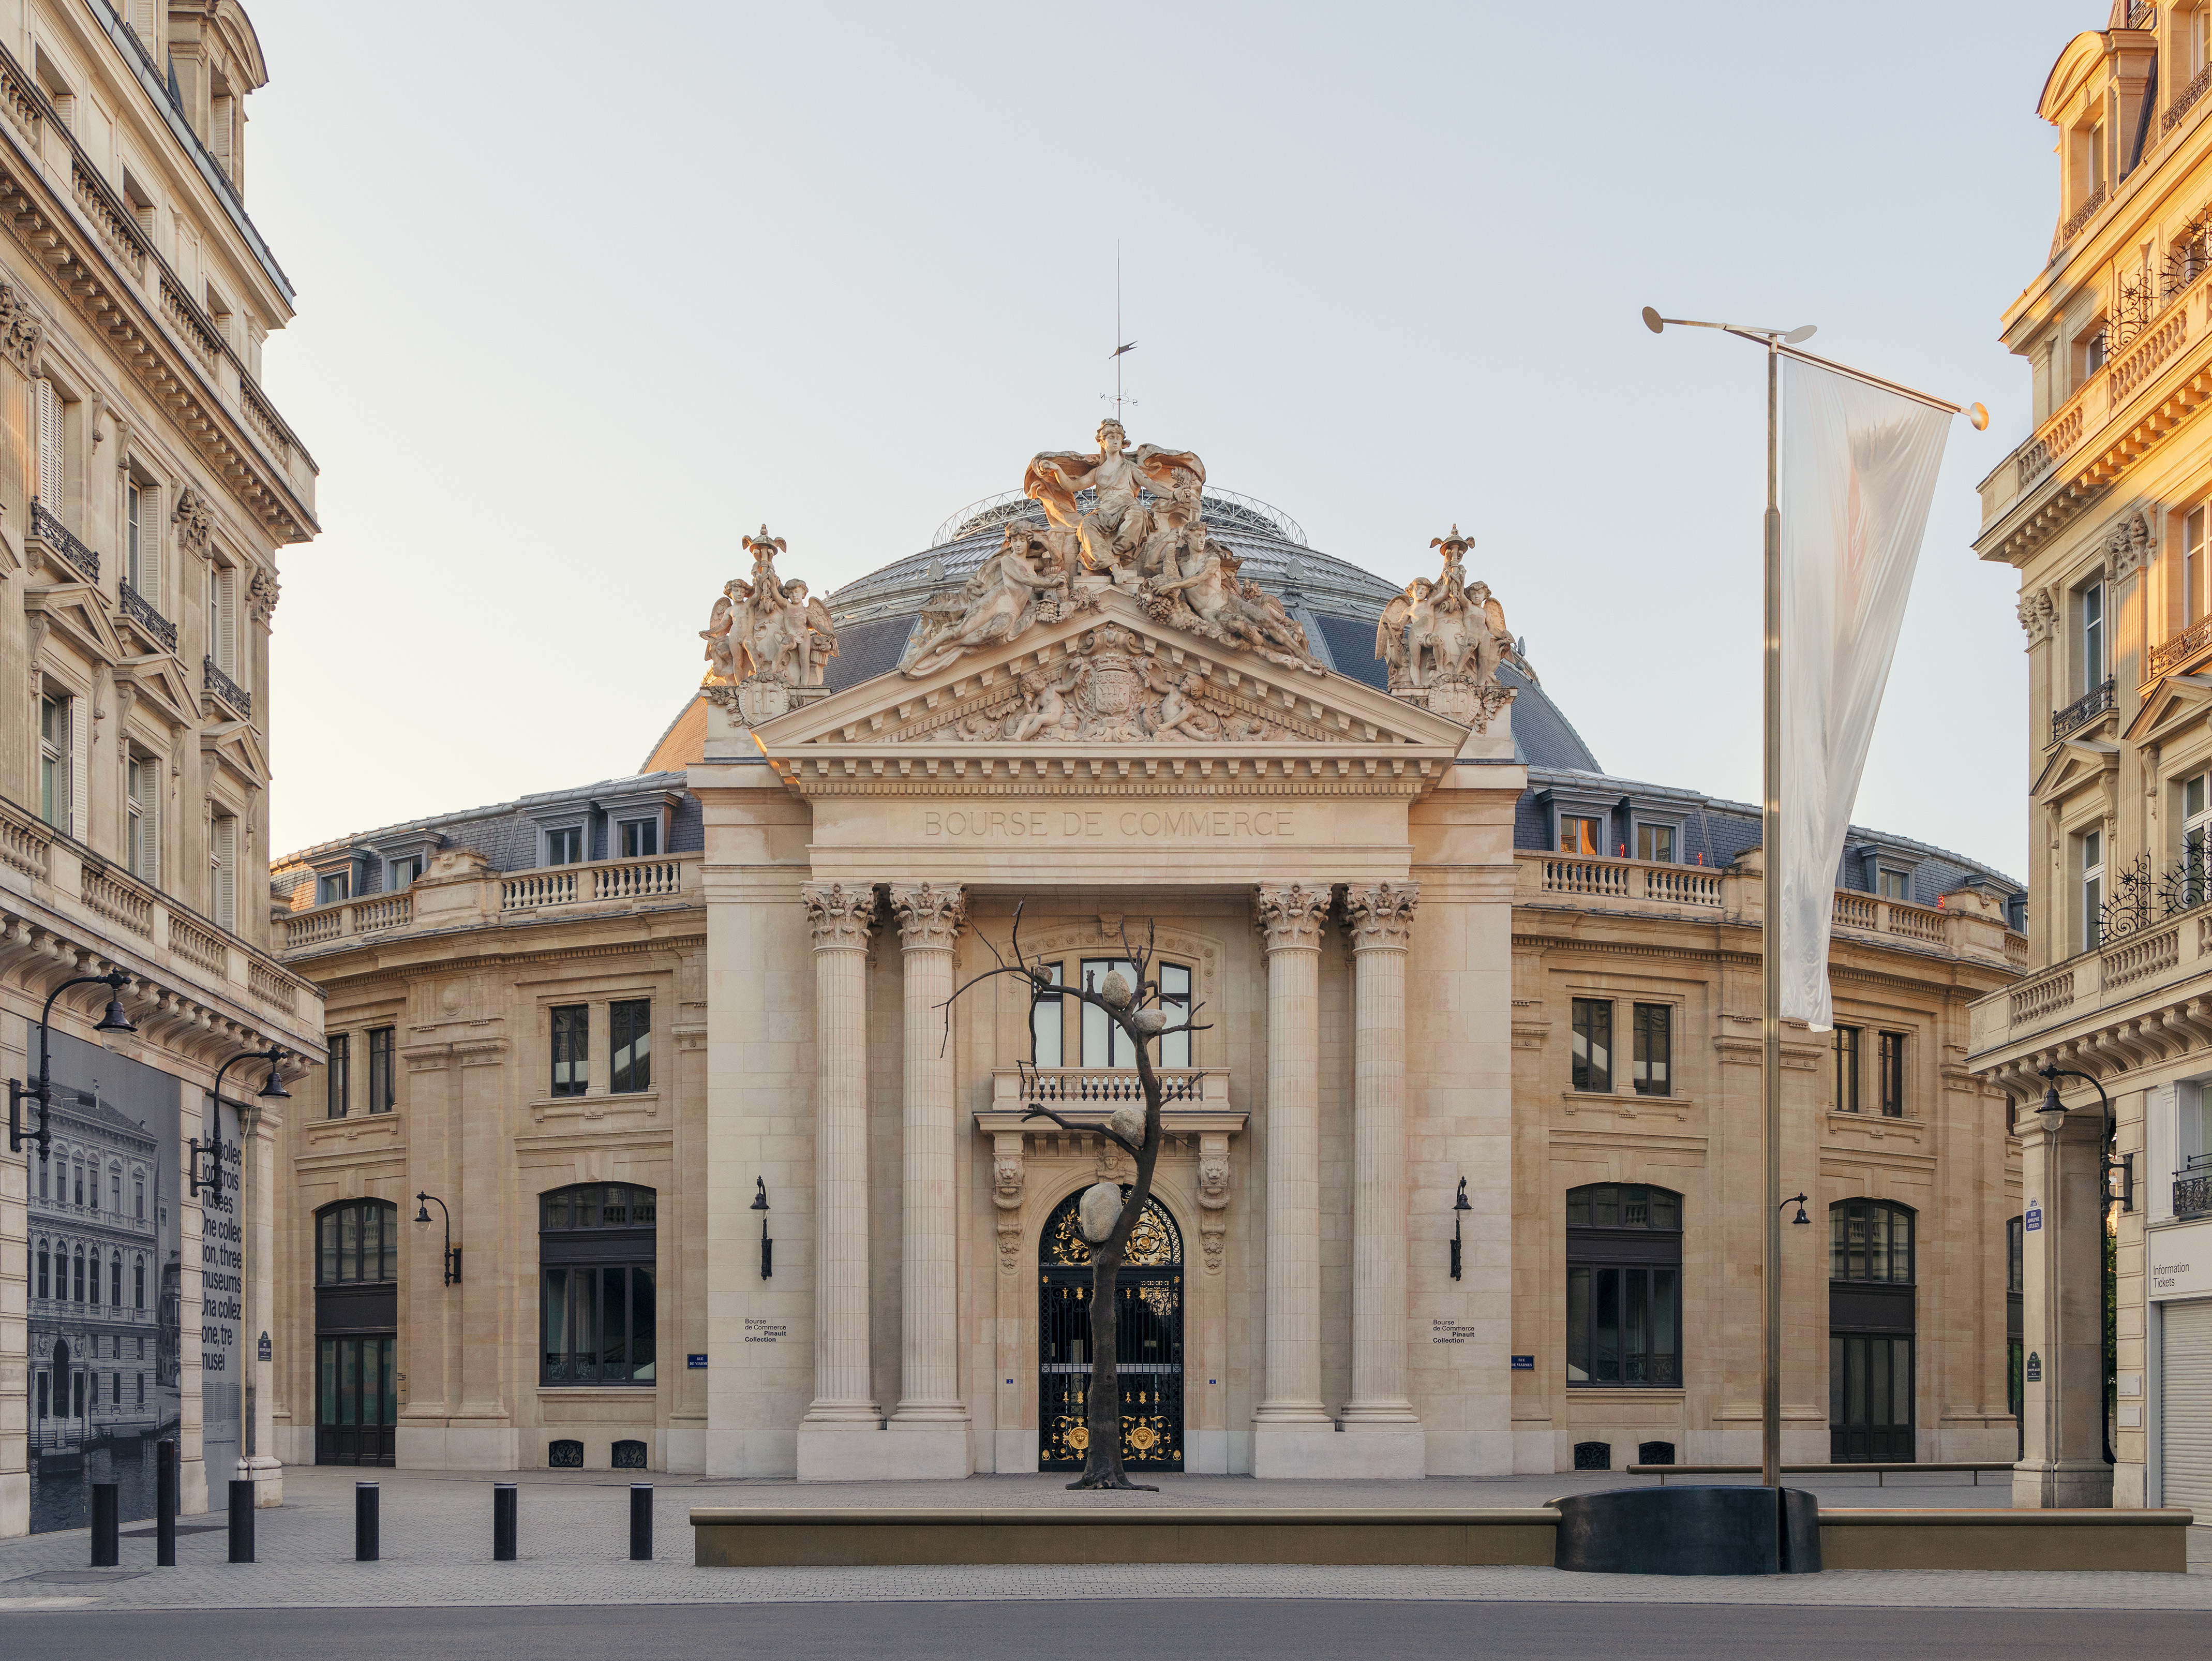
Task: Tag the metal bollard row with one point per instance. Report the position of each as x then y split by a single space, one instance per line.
503 1522
241 1521
367 1545
641 1522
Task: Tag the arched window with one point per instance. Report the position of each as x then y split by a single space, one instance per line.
115 1280
43 1291
1624 1286
138 1283
597 1316
77 1274
356 1241
1870 1240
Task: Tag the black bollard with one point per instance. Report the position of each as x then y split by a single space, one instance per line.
503 1522
241 1522
107 1534
365 1537
165 1505
641 1522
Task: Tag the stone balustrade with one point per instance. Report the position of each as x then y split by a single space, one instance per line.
1075 1092
38 862
2140 972
486 897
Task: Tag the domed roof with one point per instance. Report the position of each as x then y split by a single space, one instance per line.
1337 602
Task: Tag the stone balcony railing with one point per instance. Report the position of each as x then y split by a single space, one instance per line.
478 897
1731 894
1077 1091
74 882
2130 981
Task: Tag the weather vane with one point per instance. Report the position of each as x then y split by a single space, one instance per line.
1122 350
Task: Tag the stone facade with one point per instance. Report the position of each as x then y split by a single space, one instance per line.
1386 974
2101 512
146 486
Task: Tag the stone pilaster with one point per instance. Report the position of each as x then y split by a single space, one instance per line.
1380 921
930 918
256 1461
2062 1312
1290 918
840 917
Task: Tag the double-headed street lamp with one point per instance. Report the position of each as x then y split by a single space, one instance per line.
274 1090
41 1092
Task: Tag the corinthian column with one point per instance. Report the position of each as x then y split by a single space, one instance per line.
1290 921
930 919
841 916
1380 920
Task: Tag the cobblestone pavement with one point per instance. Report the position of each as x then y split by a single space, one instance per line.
574 1544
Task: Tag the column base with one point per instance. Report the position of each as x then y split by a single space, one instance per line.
912 1452
2061 1484
1376 1453
267 1479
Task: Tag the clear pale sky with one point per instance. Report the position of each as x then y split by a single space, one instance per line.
588 293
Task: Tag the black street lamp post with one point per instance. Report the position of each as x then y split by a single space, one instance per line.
274 1090
453 1261
41 1092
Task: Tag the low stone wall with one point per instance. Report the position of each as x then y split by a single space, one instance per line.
732 1536
735 1536
2153 1541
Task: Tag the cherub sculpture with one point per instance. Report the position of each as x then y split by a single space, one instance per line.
1115 532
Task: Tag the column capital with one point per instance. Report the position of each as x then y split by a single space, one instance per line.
1380 917
1289 915
930 915
841 916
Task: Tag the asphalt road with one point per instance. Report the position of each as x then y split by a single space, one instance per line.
1197 1629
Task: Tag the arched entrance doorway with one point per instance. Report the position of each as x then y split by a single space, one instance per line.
1149 1342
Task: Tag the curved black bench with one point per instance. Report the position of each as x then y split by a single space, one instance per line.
1690 1530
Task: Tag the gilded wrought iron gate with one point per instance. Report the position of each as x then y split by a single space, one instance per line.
1149 1343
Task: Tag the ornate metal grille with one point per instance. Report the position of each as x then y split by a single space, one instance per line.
222 685
2129 909
2192 1192
135 608
2084 710
1148 1346
59 538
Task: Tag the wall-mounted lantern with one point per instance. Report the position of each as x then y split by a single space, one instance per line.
767 1246
274 1090
1458 1206
423 1202
1800 1218
41 1092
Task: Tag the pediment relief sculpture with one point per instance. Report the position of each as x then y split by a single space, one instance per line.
1143 532
1443 642
767 638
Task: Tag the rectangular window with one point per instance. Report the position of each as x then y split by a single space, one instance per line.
596 1324
141 793
565 846
138 1191
380 1095
1894 885
2091 601
1847 1069
338 1073
1593 1044
571 1048
131 573
2092 844
1174 1004
1654 1049
630 1040
1655 843
54 760
222 871
1582 836
222 621
1104 1044
641 838
1047 1021
2192 564
1623 1326
1892 1062
330 890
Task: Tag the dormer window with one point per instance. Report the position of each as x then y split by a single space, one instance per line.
1582 837
330 890
564 845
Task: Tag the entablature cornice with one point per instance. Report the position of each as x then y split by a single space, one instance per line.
1164 769
383 964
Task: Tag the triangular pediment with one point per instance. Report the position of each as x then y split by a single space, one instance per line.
2076 764
77 613
1109 681
238 748
2170 705
159 682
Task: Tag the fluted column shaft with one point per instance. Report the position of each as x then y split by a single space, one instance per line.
843 1388
1290 920
1380 920
930 919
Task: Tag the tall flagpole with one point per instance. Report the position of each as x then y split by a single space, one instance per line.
1770 953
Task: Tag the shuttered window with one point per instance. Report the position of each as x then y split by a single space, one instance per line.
47 406
2185 1406
141 532
223 620
222 870
143 813
80 737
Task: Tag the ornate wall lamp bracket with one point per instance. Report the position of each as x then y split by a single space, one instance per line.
1458 1206
767 1246
453 1257
41 1090
211 1150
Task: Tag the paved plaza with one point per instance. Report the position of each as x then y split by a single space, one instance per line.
574 1544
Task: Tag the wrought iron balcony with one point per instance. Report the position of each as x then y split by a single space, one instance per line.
2171 654
2192 1188
146 617
2084 710
221 685
61 540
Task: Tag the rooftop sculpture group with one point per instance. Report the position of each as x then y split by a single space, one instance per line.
765 637
1443 642
1143 530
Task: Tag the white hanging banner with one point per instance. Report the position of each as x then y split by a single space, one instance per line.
1858 470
